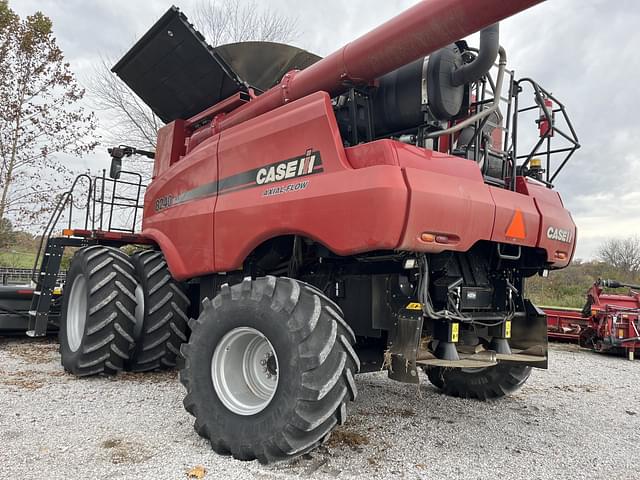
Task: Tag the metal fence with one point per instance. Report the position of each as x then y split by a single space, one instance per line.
21 276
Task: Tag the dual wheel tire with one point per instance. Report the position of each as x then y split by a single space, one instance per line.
269 369
121 312
161 314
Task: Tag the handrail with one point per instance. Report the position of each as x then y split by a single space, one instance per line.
53 220
91 221
540 94
135 206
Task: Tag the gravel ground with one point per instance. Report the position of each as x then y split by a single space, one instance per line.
580 419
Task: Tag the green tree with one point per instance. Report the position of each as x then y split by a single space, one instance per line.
39 117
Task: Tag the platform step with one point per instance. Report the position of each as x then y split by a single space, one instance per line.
475 360
485 358
520 357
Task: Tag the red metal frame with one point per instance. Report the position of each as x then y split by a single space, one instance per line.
376 196
103 235
613 321
565 323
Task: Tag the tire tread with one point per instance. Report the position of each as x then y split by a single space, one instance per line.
497 382
326 369
107 337
166 323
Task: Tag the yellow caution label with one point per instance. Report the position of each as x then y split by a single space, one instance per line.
455 329
57 291
507 329
414 306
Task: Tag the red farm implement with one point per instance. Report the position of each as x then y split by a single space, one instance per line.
608 322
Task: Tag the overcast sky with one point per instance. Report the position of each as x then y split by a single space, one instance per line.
584 51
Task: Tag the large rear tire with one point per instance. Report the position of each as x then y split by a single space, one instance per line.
269 369
97 321
161 314
481 383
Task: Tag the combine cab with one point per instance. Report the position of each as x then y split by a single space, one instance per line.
316 218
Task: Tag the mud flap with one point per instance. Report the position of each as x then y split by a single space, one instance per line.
529 334
403 346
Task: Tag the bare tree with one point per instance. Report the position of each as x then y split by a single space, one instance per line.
229 21
622 253
39 117
129 120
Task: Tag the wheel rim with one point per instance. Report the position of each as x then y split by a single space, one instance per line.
77 313
244 371
139 312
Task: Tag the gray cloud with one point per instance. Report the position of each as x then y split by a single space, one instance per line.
585 51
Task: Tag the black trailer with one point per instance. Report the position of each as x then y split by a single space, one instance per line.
15 303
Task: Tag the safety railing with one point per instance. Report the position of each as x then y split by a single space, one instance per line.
553 123
106 204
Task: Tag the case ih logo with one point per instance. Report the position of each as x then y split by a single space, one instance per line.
559 234
297 167
308 164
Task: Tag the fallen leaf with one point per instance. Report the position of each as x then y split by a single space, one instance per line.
197 472
340 436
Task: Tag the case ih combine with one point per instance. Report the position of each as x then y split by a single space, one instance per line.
317 218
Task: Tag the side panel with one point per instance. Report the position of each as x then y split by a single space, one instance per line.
286 172
457 207
447 194
178 212
557 230
391 152
517 219
170 146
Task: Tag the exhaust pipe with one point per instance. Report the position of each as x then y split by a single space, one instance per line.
489 46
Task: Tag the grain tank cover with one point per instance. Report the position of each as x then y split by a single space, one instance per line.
177 74
263 64
173 70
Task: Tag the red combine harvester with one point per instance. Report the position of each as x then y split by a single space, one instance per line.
607 323
316 218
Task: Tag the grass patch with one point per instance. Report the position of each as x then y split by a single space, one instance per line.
568 287
17 259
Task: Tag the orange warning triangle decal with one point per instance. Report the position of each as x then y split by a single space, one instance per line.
516 227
